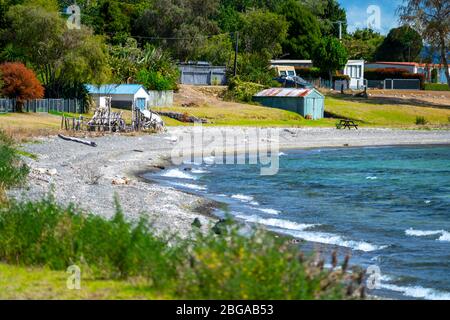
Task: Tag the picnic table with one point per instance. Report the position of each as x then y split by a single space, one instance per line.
346 123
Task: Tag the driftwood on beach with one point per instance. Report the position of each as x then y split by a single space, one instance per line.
73 139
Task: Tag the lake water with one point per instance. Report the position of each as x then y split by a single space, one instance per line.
388 206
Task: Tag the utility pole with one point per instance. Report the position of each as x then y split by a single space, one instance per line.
236 49
340 29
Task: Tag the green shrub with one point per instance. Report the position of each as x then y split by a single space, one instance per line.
45 233
393 73
437 87
205 266
421 120
12 170
155 80
258 266
309 73
239 90
255 68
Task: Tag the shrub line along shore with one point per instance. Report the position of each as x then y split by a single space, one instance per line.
90 177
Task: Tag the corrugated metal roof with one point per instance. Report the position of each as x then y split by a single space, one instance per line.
108 89
284 92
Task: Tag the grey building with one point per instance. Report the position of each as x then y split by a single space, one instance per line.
202 73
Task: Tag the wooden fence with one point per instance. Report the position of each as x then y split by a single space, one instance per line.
44 105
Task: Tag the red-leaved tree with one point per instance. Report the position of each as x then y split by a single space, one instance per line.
20 83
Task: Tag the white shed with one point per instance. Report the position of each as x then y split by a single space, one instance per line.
122 95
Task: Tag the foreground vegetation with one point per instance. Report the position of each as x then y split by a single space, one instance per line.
224 266
12 172
123 259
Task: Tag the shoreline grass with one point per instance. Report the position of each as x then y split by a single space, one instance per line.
205 266
436 87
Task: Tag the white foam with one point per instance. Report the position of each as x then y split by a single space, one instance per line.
269 211
191 186
279 223
209 160
427 201
333 239
417 292
177 173
199 171
444 235
242 197
371 178
280 154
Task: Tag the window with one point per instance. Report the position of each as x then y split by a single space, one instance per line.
291 73
283 73
354 71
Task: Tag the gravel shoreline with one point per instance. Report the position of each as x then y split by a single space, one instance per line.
90 177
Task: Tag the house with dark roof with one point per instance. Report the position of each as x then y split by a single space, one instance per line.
122 95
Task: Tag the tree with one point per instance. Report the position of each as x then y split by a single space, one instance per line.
217 49
20 83
402 44
332 16
124 60
263 31
330 56
185 25
64 59
363 44
432 20
303 32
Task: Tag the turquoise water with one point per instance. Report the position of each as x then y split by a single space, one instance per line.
387 206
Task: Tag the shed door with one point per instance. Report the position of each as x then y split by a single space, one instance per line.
140 103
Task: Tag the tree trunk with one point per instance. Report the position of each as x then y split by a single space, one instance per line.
331 79
444 58
19 106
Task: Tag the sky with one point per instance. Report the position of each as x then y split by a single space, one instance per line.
360 12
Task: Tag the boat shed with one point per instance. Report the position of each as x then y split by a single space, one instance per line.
309 103
122 95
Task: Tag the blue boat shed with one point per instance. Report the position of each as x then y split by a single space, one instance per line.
122 95
309 103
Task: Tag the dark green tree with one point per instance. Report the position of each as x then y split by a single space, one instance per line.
402 44
330 56
63 59
303 33
263 31
363 44
331 17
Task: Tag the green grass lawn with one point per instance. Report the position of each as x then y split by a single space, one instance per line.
42 283
368 113
385 115
245 115
437 87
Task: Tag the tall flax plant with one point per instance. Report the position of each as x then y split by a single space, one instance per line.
12 171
